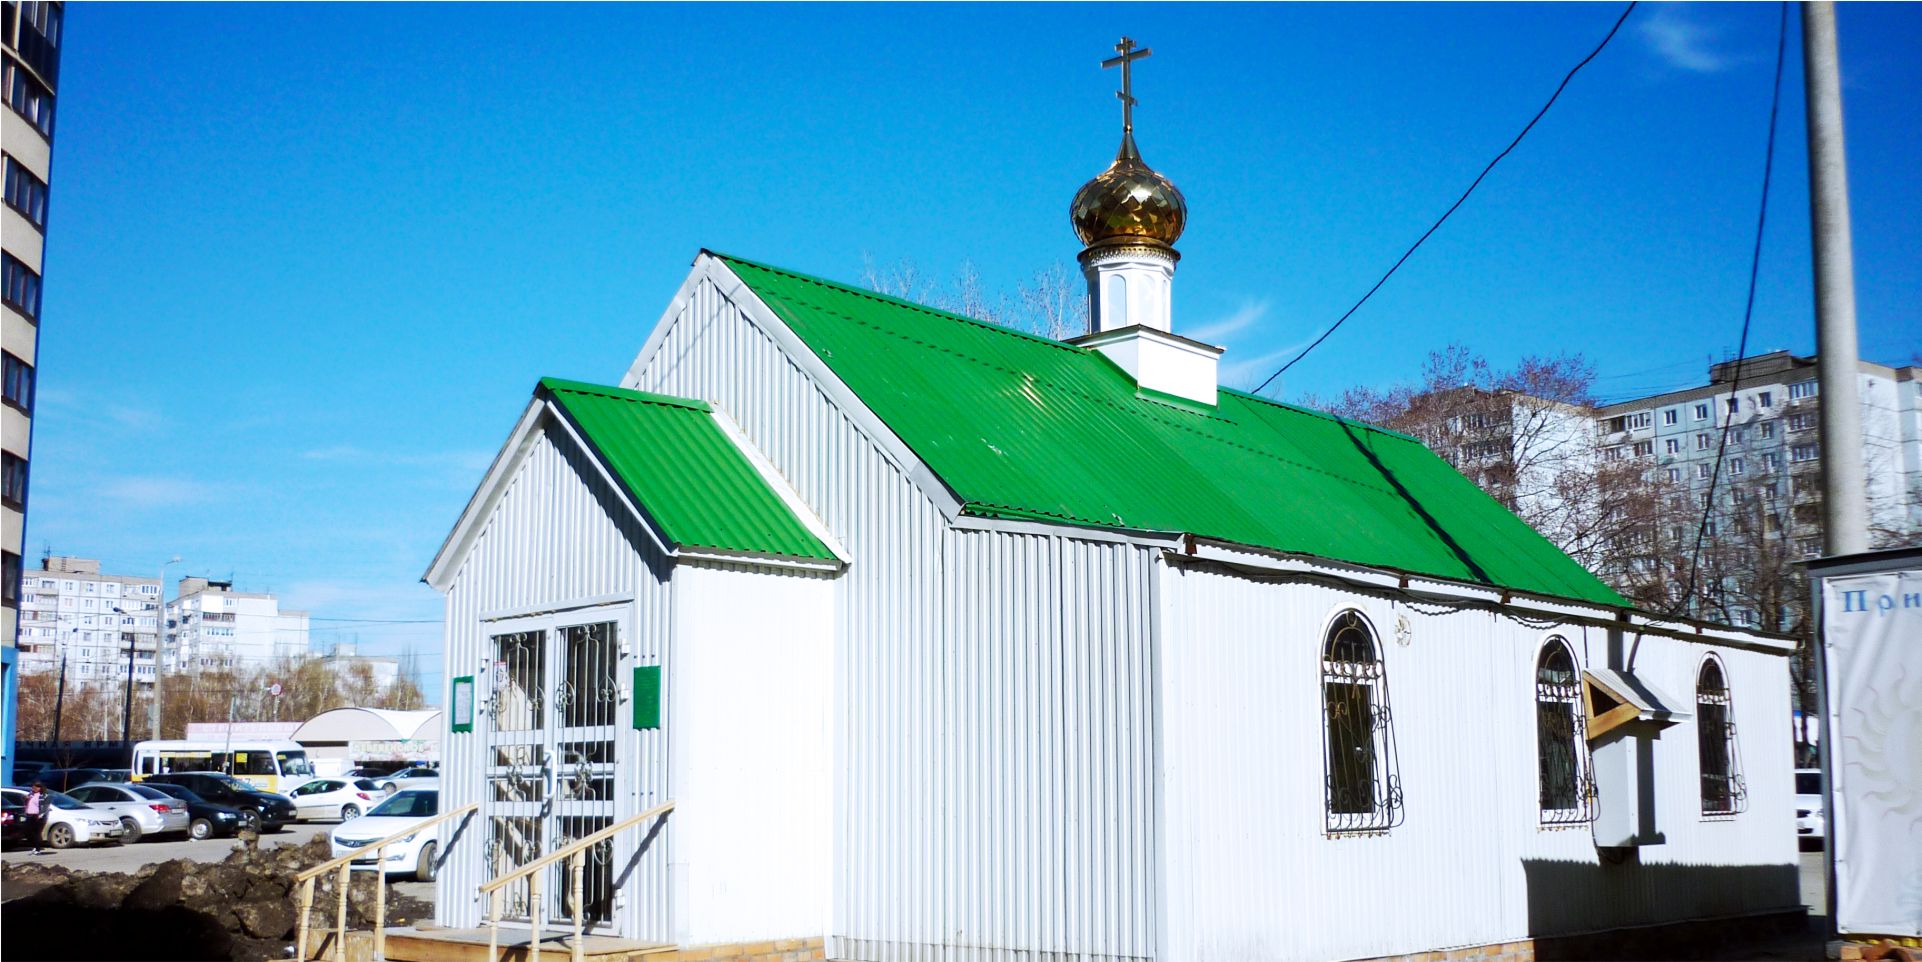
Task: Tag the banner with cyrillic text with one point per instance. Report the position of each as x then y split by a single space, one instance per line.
1872 633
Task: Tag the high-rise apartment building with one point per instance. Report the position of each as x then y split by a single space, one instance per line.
214 626
29 77
73 615
1773 449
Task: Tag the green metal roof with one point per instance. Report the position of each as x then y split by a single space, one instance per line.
684 471
1025 427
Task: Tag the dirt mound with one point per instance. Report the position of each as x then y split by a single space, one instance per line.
244 908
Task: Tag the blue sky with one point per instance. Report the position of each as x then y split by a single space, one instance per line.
306 263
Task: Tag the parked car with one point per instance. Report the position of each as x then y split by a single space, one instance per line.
142 810
1811 821
24 773
13 821
372 771
71 822
116 775
61 779
206 819
410 778
413 853
259 811
341 798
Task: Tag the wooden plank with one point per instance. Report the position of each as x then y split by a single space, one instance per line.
471 945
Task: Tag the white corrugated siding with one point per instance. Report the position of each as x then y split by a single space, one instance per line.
1250 875
753 769
993 775
558 535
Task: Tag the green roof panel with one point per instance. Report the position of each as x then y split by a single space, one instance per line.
1020 426
684 471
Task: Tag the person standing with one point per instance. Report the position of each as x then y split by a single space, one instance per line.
36 814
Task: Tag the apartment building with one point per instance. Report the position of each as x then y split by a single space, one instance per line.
215 626
1773 449
29 76
73 614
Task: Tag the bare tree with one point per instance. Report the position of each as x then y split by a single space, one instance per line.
1526 436
1052 304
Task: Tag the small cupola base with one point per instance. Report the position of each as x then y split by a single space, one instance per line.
1160 361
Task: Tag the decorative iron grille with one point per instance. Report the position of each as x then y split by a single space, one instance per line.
1567 785
1361 779
1723 790
596 902
590 693
520 682
511 843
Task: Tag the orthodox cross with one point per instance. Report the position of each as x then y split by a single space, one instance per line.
1128 56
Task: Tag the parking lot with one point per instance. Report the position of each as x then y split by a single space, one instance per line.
127 858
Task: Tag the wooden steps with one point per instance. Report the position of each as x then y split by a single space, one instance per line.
470 945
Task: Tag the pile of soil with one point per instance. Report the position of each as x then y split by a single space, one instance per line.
244 908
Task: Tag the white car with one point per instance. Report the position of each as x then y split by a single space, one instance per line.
410 778
71 822
142 810
1811 821
341 798
414 853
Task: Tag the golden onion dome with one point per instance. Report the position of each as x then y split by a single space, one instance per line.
1129 203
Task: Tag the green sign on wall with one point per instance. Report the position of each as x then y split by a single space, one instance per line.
647 697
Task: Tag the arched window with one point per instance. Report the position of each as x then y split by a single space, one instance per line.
1561 750
1723 792
1361 782
1116 297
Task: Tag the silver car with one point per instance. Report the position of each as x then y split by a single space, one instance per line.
141 810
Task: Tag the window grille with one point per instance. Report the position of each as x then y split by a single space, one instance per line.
1561 748
1723 790
1362 783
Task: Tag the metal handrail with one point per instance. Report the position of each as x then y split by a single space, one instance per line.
342 864
576 853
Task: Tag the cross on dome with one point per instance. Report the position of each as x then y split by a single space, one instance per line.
1126 62
1129 204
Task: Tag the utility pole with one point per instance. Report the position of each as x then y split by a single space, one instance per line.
159 650
126 715
59 701
1845 510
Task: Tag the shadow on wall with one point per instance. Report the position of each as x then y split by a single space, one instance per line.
1567 899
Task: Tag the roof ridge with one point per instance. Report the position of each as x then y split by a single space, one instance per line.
903 302
1317 412
557 384
1016 332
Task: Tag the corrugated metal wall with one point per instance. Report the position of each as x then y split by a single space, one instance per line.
559 534
1250 874
753 766
993 777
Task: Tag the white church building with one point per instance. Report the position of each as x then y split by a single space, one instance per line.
954 644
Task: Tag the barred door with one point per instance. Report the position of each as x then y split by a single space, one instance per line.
551 759
585 708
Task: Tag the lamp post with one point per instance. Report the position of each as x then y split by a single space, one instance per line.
160 649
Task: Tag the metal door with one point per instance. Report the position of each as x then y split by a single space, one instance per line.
551 757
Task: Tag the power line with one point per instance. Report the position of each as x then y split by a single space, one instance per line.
1458 201
1748 313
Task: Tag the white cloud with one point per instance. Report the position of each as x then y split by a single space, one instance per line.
1220 329
1683 43
1244 374
142 491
